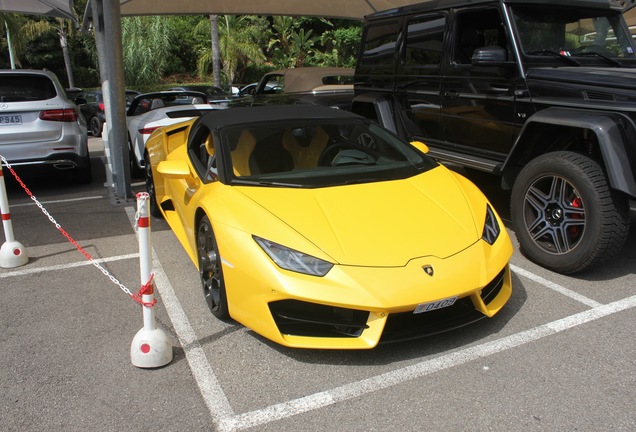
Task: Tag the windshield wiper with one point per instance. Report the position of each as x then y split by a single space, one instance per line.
603 56
555 54
265 183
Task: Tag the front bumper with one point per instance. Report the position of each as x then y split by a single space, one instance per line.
359 307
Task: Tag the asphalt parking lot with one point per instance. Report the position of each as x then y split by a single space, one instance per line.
561 356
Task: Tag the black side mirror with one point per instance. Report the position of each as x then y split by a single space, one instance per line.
80 101
490 56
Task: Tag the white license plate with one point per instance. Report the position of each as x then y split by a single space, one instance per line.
431 306
7 120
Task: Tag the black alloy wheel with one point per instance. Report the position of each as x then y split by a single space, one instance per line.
564 214
211 271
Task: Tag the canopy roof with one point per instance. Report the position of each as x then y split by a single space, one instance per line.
351 9
54 8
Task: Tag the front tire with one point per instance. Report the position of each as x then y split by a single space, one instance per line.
565 216
211 271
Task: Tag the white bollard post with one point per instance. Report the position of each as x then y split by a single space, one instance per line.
12 253
150 347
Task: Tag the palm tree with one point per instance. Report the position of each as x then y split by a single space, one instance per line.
216 55
238 44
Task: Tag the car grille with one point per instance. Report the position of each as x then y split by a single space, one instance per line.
407 325
298 318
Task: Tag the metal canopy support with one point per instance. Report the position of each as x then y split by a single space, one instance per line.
107 15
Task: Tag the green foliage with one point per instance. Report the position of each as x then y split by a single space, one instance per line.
239 38
13 24
340 47
158 47
146 48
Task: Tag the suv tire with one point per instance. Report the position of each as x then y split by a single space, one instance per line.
564 214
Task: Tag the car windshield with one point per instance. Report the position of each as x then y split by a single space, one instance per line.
572 32
318 153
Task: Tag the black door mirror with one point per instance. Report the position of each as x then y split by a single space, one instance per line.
490 56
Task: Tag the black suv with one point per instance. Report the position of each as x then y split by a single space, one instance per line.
541 93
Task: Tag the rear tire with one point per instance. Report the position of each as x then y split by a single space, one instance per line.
565 216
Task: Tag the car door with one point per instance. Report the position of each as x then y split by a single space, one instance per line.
478 102
188 193
418 78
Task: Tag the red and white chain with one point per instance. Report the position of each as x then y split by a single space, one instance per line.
136 297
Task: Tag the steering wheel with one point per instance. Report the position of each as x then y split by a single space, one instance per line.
328 155
366 140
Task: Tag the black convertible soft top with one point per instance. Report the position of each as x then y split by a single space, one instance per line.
271 113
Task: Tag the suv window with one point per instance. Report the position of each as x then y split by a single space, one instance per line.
380 44
424 41
20 88
568 33
478 29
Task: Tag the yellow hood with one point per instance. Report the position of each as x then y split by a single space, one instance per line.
379 224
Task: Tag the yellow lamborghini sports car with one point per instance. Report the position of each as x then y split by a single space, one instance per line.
318 229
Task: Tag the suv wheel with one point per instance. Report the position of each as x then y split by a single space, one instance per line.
565 216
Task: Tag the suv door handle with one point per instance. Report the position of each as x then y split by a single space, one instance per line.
499 88
451 93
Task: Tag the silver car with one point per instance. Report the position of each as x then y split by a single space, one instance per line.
40 126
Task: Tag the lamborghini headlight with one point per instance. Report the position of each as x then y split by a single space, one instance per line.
292 260
491 227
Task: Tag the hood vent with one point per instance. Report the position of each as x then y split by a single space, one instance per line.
593 95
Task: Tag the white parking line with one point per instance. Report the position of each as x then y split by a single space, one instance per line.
211 391
223 415
66 266
556 287
398 376
58 201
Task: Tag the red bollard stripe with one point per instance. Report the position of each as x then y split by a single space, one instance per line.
143 222
6 216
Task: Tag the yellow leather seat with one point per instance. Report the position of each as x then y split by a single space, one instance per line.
306 156
242 152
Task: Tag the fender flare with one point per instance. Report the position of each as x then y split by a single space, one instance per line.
612 130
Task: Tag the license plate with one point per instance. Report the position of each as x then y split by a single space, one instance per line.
7 120
431 306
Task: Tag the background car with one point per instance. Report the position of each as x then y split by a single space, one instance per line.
317 228
149 111
40 126
328 86
250 89
91 105
213 93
